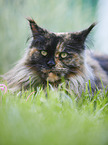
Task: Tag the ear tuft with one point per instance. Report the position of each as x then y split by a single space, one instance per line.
90 28
83 34
36 30
34 27
31 20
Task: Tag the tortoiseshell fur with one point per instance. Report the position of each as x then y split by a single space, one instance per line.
77 68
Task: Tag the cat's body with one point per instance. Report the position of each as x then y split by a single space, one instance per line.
53 56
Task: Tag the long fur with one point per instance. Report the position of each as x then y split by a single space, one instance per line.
78 82
21 76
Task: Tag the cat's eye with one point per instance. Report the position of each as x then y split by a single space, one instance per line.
63 55
44 53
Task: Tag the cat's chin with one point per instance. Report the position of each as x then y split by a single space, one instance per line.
52 77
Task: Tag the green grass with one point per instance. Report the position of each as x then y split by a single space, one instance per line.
55 119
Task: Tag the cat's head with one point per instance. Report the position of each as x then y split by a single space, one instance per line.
56 55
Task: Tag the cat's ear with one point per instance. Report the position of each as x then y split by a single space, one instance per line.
34 27
83 34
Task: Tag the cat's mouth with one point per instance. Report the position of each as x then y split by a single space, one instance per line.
52 77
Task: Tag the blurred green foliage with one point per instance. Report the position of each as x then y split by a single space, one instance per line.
56 15
57 119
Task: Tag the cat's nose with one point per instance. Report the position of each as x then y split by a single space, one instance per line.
51 63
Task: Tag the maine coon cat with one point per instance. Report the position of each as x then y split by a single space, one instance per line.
53 56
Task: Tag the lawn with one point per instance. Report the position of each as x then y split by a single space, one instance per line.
48 117
54 119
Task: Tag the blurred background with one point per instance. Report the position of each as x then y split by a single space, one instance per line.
56 15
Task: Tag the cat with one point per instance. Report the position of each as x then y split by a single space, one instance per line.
53 56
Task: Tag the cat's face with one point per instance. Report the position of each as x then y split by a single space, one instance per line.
55 55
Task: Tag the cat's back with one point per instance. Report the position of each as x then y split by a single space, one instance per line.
99 64
103 61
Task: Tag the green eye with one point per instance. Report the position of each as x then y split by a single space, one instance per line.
64 55
44 53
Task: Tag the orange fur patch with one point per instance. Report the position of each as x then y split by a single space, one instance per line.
52 77
33 50
57 54
60 47
34 28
